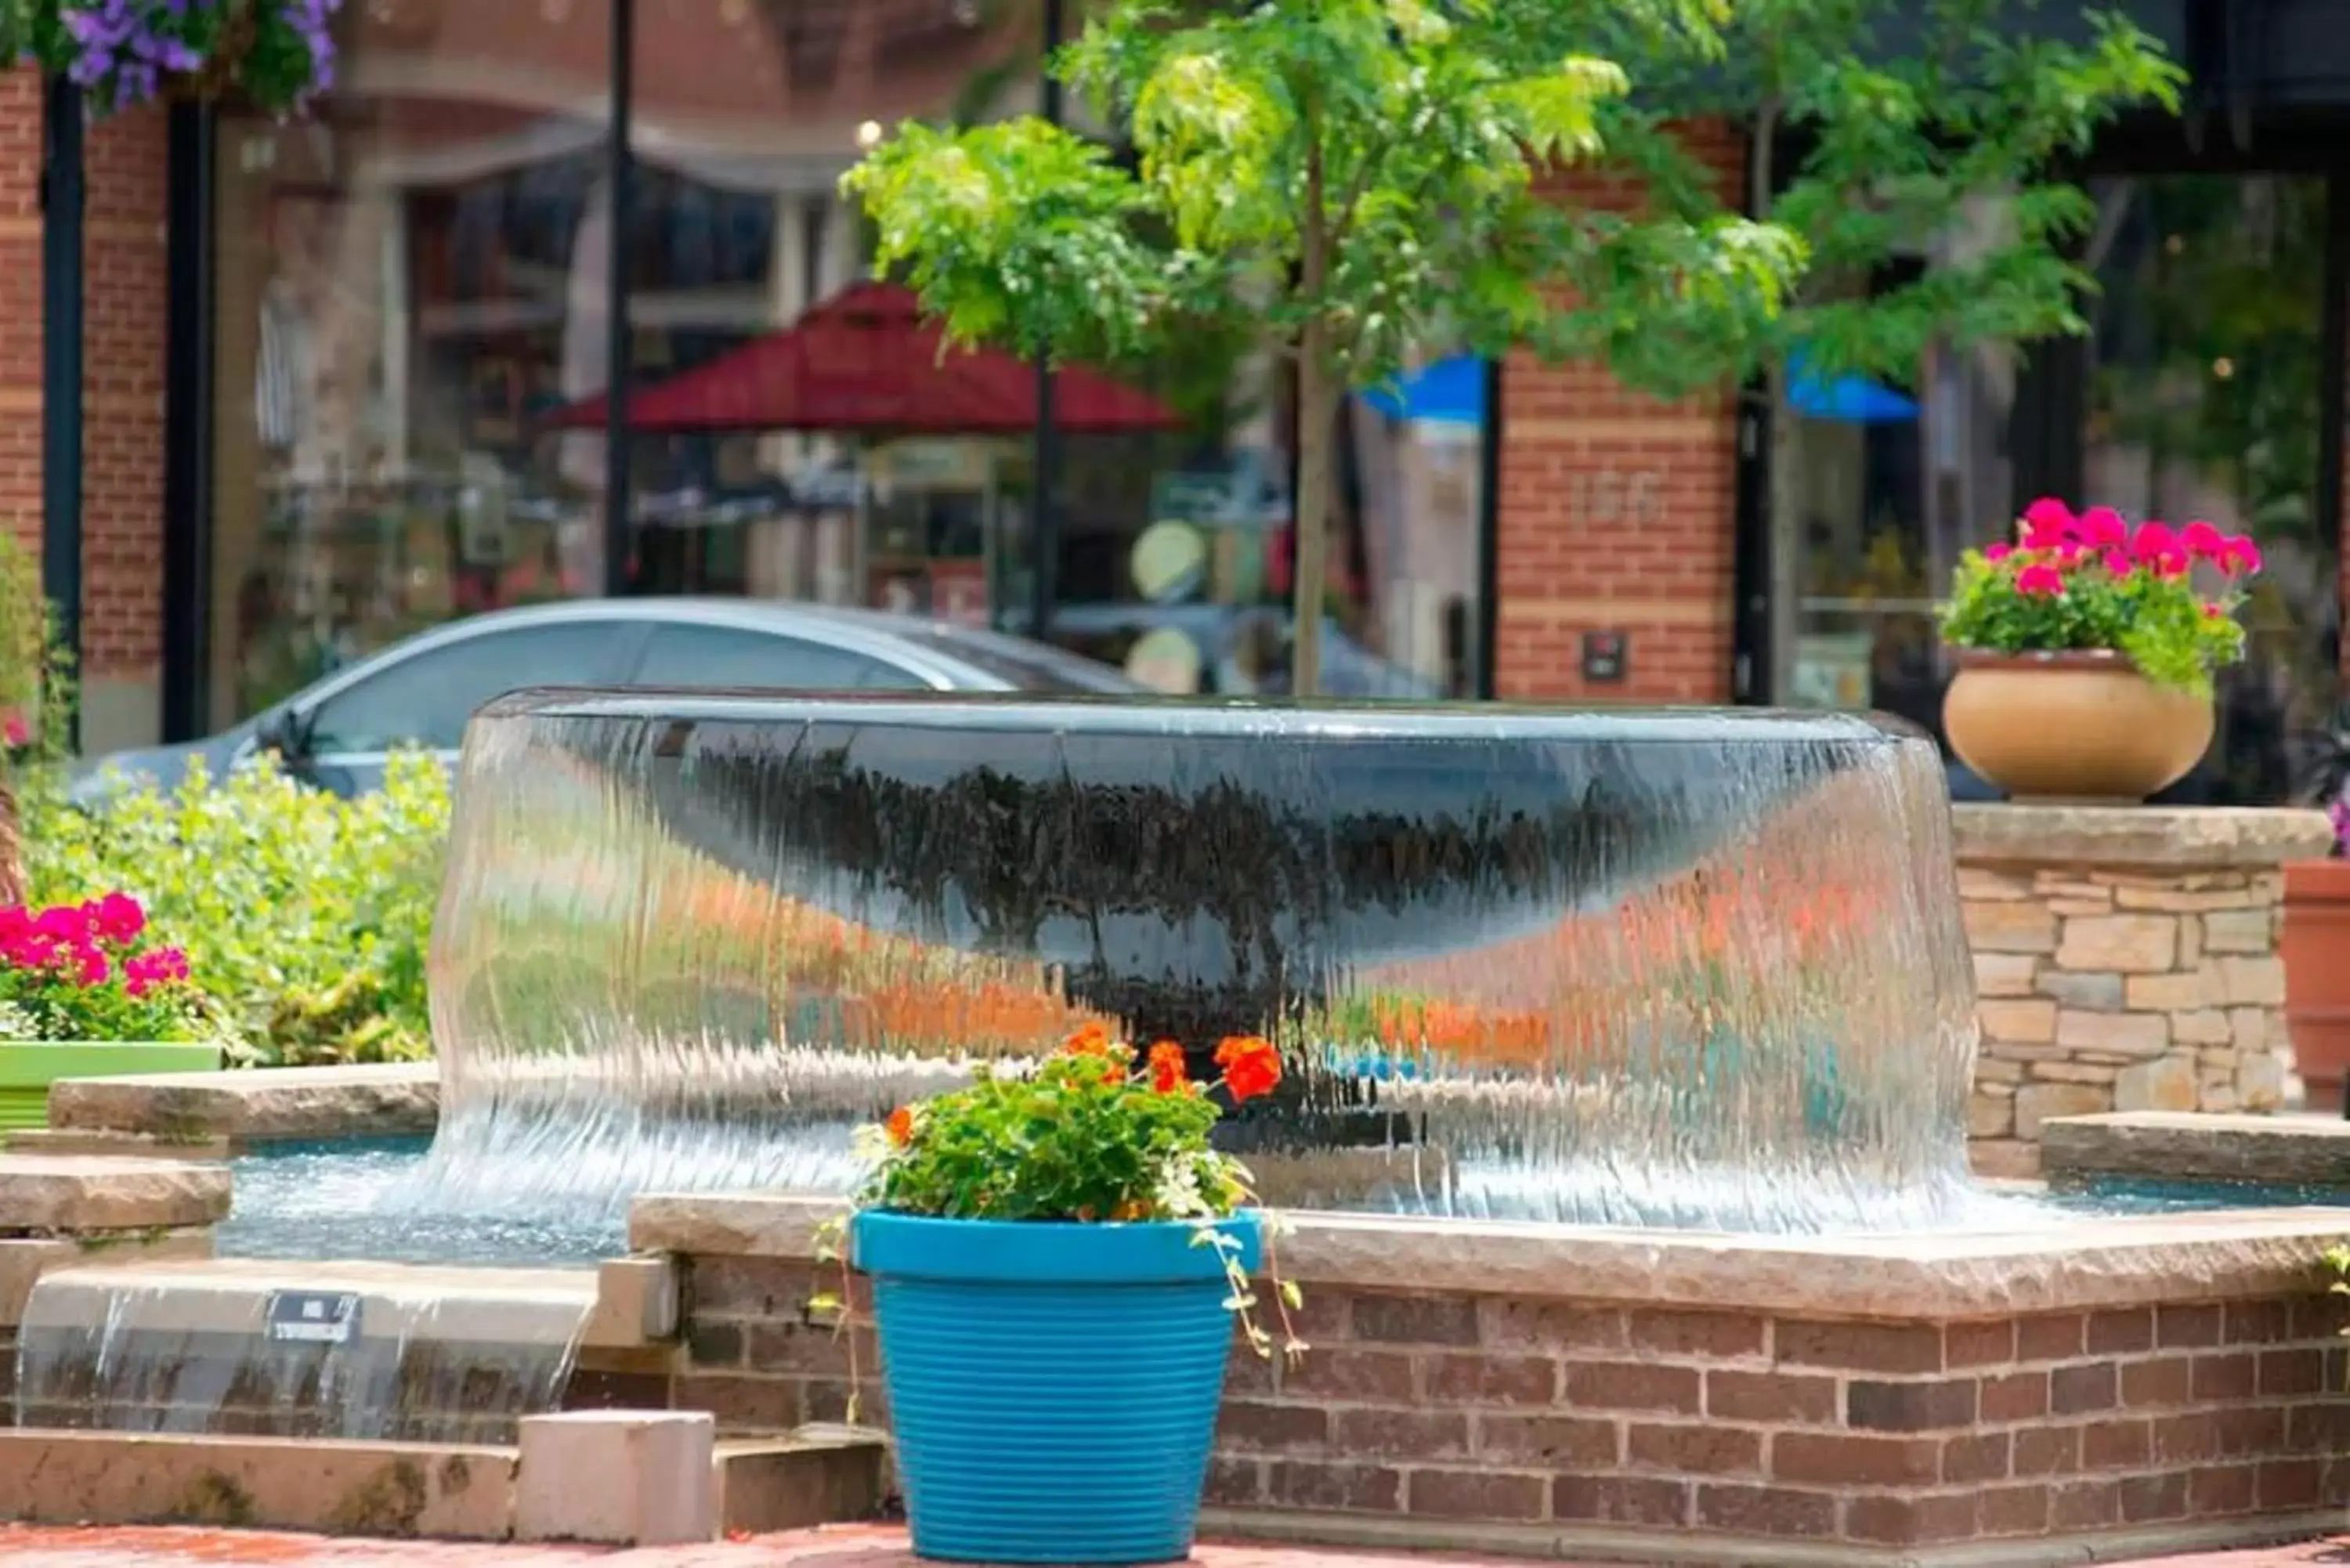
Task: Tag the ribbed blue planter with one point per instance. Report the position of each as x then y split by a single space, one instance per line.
1053 1387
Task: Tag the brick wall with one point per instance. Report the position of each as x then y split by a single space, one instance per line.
125 309
1441 1414
1617 513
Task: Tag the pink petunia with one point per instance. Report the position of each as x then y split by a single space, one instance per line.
62 923
2118 565
2239 557
2039 582
2202 540
90 967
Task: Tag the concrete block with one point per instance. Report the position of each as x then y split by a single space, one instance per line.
765 1487
619 1477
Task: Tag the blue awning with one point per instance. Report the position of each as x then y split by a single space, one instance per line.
1448 392
1849 400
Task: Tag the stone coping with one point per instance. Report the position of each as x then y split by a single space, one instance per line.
1936 1277
2192 1146
259 1104
23 1260
627 1302
2139 837
54 1194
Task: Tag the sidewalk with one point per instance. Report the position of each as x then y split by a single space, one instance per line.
846 1546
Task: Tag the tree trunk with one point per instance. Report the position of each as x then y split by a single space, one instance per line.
11 845
1317 413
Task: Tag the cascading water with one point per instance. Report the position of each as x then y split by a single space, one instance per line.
354 1351
1688 969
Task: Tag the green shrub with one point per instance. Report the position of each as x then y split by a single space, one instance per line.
304 915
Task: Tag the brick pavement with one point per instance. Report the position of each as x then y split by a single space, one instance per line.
846 1546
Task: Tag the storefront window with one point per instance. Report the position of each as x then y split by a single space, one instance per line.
1177 544
2203 402
795 439
2197 397
403 287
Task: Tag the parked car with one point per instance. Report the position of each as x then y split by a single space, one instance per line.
339 731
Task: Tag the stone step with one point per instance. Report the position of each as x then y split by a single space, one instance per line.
603 1482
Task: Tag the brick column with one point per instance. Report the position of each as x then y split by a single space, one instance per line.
124 290
1617 513
2125 960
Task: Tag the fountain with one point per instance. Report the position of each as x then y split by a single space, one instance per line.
1690 969
1624 1128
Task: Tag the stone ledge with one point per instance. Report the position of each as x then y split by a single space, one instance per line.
258 1104
23 1260
48 1195
450 1491
2189 1146
2145 837
1936 1277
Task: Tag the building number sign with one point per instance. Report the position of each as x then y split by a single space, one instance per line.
1611 496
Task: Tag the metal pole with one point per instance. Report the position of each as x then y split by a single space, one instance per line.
63 199
620 499
1046 530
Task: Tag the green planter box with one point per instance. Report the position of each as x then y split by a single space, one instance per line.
27 1071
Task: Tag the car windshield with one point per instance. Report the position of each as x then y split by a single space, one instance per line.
1027 670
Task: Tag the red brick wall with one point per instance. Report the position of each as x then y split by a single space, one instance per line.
1616 513
1439 1415
125 307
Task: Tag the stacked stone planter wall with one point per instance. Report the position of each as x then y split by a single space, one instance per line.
2126 959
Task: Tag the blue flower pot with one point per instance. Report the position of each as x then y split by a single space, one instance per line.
1053 1387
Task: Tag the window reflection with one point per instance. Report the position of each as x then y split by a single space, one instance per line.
2203 402
397 297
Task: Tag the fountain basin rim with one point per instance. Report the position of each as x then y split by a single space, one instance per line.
1933 1275
1208 718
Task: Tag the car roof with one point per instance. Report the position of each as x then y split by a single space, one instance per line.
965 657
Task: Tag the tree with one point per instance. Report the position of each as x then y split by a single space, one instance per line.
1876 128
1356 180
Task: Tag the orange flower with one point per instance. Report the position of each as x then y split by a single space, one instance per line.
1167 1070
1252 1067
1131 1209
1091 1039
1114 1076
901 1125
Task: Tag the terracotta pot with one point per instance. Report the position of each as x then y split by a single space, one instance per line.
2077 726
2315 946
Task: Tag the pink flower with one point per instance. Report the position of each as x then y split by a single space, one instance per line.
2153 540
2048 522
2214 610
2239 557
2173 563
62 923
2202 540
13 731
2103 526
2041 582
89 966
118 917
2117 564
2050 514
1997 553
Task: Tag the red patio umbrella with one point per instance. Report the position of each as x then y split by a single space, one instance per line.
867 360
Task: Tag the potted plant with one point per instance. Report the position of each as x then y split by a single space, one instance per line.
2086 651
85 994
1057 1259
2315 940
